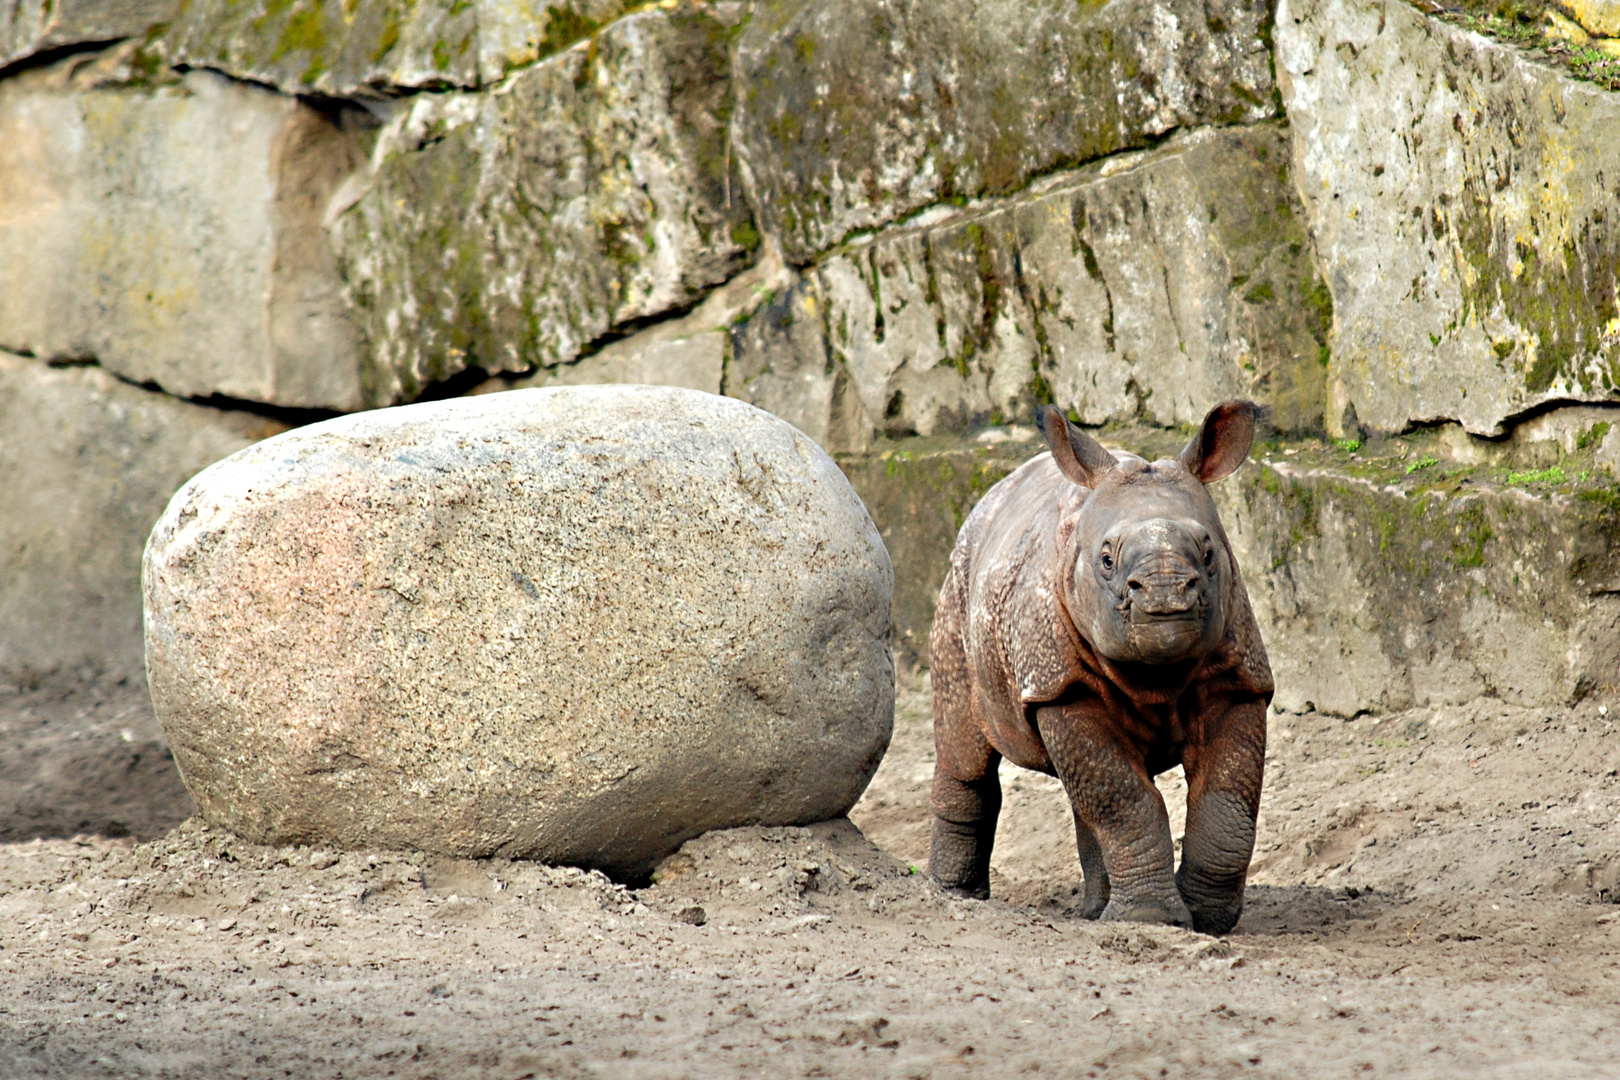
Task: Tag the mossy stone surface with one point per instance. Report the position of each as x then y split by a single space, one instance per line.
509 231
30 27
855 114
1462 197
348 49
1146 288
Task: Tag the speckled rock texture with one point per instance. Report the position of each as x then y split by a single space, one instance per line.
510 230
29 27
173 233
86 465
1462 199
1148 286
855 112
582 625
381 46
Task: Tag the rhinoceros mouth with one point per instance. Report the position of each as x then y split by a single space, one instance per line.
1165 639
1140 617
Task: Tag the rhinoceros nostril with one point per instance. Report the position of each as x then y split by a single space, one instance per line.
1134 585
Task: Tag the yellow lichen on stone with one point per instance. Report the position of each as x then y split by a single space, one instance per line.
1600 18
1563 29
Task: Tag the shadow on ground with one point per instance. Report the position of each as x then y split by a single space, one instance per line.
85 760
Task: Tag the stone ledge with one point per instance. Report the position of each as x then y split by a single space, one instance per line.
1376 589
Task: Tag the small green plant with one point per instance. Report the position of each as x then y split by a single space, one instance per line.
1592 436
1420 463
1349 446
911 871
1551 475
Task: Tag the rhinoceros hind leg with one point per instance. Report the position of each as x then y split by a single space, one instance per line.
964 832
1095 870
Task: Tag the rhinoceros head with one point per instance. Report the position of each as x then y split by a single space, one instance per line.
1151 573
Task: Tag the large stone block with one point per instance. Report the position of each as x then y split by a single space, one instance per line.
173 233
1462 198
1146 287
510 230
581 625
1378 592
1488 569
373 48
856 112
86 466
30 27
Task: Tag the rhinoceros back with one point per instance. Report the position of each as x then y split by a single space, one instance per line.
1001 640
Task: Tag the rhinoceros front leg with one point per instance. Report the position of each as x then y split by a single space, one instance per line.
1224 772
1123 812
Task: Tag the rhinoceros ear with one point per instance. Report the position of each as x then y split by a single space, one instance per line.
1079 457
1222 444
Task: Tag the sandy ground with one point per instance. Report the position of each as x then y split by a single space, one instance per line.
1434 895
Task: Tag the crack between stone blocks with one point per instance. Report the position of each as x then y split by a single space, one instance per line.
47 57
291 416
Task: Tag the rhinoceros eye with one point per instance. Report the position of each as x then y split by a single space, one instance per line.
1107 561
1209 556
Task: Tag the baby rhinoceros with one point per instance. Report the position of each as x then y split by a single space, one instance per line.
1094 626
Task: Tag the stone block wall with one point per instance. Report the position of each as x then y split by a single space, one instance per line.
900 225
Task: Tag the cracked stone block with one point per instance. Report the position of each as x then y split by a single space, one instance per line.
378 47
854 113
87 464
1149 286
29 27
1462 198
509 231
1379 593
173 233
688 351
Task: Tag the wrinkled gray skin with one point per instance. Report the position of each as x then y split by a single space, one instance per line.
1094 626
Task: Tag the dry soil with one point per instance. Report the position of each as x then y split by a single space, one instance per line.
1434 894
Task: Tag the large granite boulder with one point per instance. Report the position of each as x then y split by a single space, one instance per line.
581 624
87 464
1462 199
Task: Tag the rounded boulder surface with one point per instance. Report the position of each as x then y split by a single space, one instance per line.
580 625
